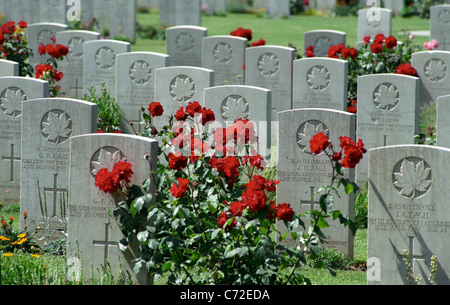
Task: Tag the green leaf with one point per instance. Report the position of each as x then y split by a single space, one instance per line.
153 244
326 202
137 205
142 236
166 267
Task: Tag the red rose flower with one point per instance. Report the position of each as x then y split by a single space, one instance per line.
319 142
351 109
353 53
376 48
183 186
366 39
192 108
255 200
379 38
345 52
241 32
284 211
236 208
104 181
22 24
353 152
406 69
260 42
207 116
122 172
390 42
310 52
180 115
177 161
156 109
222 220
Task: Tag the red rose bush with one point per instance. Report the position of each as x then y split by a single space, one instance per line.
213 217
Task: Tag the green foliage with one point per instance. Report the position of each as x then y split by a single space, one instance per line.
14 47
331 259
427 124
153 32
419 8
194 237
361 208
108 111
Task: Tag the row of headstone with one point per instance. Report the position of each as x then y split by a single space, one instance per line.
116 17
180 12
34 11
274 8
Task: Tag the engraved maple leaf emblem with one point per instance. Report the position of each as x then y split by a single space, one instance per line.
436 70
387 97
11 102
307 132
106 159
321 46
140 72
318 78
412 178
235 108
105 58
182 89
268 64
185 41
223 52
76 46
57 129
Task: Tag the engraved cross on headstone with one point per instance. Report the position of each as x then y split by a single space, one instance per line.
55 190
313 204
412 257
77 88
105 243
11 158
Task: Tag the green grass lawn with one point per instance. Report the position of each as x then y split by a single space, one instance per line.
280 32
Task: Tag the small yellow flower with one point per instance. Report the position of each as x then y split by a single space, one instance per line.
4 238
22 240
14 242
35 255
21 235
8 254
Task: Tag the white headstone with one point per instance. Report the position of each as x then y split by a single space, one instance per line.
42 33
175 87
135 85
320 83
13 91
408 185
91 230
279 8
270 67
123 22
440 25
302 172
232 102
433 70
322 40
72 65
100 63
388 109
374 21
184 45
8 68
442 121
47 126
226 56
